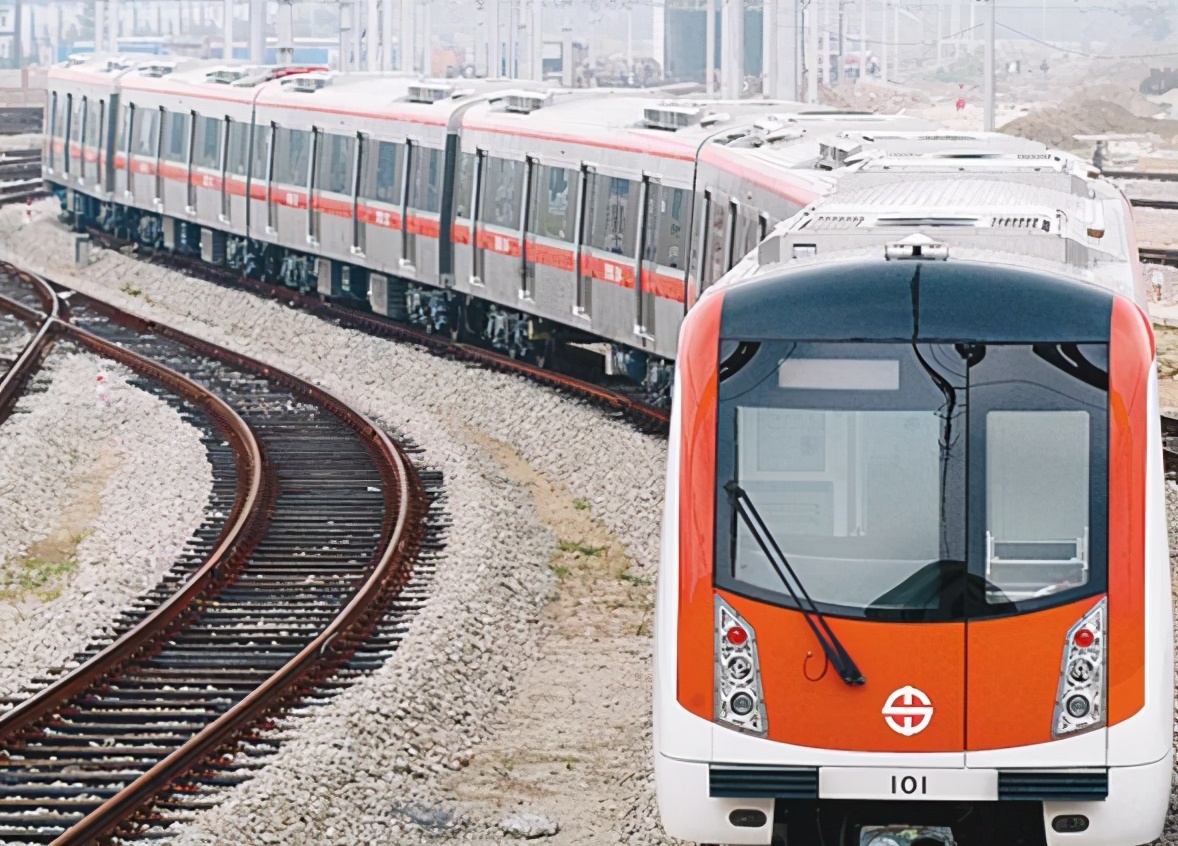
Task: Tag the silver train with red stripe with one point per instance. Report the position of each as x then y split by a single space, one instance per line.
528 216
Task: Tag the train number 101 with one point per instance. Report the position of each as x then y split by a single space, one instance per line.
909 786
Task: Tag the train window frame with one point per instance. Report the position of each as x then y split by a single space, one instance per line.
291 161
500 195
377 165
583 302
237 157
427 173
177 127
336 178
204 155
464 185
540 219
259 155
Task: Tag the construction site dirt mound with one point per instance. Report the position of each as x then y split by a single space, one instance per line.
1057 126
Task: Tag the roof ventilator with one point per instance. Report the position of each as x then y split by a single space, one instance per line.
525 102
916 246
75 59
307 83
671 117
112 65
425 92
155 69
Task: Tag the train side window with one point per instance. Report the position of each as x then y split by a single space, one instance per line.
77 107
292 154
124 127
663 243
502 195
175 146
614 210
207 149
382 177
553 208
425 187
464 185
237 157
145 133
334 168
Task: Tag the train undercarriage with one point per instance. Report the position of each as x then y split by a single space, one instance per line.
462 317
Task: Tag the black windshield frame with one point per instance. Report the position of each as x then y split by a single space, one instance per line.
961 382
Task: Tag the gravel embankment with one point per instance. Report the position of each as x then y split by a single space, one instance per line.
101 484
388 760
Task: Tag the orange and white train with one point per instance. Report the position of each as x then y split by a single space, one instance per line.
915 583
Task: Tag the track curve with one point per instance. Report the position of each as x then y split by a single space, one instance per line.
324 538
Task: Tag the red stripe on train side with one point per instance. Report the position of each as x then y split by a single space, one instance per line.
608 270
664 285
379 217
504 245
460 233
550 256
332 206
427 227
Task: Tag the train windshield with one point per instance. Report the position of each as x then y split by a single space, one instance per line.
916 482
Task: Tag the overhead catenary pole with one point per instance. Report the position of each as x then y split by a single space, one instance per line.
99 26
862 39
811 27
284 30
113 25
405 37
769 50
988 124
566 57
495 35
386 35
710 49
226 30
536 31
372 36
257 21
732 49
427 53
883 28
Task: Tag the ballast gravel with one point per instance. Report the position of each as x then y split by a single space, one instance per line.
101 485
368 765
14 334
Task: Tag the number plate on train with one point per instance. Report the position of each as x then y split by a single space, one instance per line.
888 783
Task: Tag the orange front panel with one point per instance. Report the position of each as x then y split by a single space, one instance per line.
809 705
699 352
1013 681
1130 356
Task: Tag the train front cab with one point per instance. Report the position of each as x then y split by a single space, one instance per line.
971 493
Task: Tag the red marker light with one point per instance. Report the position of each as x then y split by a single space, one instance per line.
1084 638
737 636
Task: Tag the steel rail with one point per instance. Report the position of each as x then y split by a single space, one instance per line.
399 536
37 347
242 527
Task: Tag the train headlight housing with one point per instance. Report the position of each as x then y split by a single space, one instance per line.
740 701
1080 701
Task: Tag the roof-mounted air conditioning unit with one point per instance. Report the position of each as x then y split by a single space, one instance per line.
427 92
525 102
306 83
671 117
225 76
156 69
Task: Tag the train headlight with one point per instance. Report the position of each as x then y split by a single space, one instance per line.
740 701
1080 700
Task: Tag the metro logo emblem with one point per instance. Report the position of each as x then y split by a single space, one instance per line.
908 711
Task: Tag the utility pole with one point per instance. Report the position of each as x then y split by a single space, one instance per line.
883 27
710 50
988 125
862 39
769 50
427 53
99 26
346 23
113 24
372 36
496 69
811 28
567 73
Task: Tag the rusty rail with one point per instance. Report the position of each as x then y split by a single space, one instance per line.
38 346
399 535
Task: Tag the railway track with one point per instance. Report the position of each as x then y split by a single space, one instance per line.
327 528
1147 190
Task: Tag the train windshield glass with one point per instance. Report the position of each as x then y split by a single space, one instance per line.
912 482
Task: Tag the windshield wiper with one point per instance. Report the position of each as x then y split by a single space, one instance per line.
844 665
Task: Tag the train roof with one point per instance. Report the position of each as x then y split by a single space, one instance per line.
957 196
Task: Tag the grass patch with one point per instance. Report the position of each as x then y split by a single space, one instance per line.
38 577
583 549
561 571
581 504
633 578
128 288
